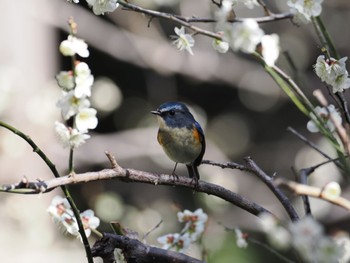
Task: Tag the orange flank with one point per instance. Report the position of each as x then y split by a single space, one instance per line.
196 135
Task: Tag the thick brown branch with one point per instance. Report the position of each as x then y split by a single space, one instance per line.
131 175
135 251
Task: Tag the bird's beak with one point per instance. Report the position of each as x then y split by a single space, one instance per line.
155 112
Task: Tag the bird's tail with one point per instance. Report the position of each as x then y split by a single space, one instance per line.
193 173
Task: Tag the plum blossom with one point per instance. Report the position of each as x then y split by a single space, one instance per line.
183 41
100 7
246 35
324 114
303 10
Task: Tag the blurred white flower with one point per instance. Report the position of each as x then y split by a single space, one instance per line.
195 222
250 3
241 241
270 48
74 1
58 207
188 216
65 80
220 46
322 112
342 238
62 214
70 137
224 12
183 41
83 79
246 35
175 241
341 82
313 246
305 9
333 189
305 232
279 238
99 7
86 119
82 69
90 221
70 105
323 68
267 221
83 86
74 45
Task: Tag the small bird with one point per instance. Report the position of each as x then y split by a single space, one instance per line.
181 136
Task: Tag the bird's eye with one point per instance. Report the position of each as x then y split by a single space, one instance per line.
172 112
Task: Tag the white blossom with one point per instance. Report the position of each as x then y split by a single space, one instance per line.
89 220
70 137
86 119
65 80
183 41
303 10
313 246
332 189
58 207
270 48
99 7
83 86
74 45
267 221
246 35
70 105
278 236
241 241
333 72
176 241
194 222
250 3
305 231
223 13
322 112
220 46
62 214
342 239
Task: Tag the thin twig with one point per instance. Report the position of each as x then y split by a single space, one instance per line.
301 189
151 230
275 190
186 21
309 143
227 165
270 249
39 186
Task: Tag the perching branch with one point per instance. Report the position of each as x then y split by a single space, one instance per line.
131 175
135 251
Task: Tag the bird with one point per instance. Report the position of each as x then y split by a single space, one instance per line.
181 137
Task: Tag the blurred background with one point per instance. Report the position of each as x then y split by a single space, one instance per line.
136 68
